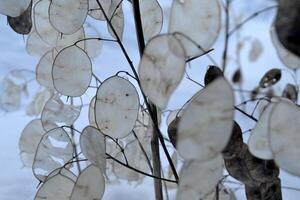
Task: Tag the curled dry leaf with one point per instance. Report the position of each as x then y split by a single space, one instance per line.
42 24
58 187
95 11
199 20
290 92
29 141
89 185
259 145
54 151
13 8
284 136
72 71
212 73
57 112
256 50
116 107
152 18
161 68
93 146
23 23
68 16
249 169
206 124
288 58
270 78
198 178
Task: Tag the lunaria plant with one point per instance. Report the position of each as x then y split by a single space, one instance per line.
124 138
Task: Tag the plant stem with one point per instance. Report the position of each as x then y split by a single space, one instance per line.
227 23
155 139
152 113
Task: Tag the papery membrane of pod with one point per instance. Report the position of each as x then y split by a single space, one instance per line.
285 137
116 107
198 178
64 40
10 97
206 124
162 68
21 76
117 21
44 70
64 172
92 119
29 141
42 24
270 78
258 143
172 115
89 185
152 18
36 106
288 58
91 44
57 112
212 73
13 8
57 187
68 16
290 92
256 50
72 71
54 151
35 46
223 194
199 20
23 23
135 158
95 11
93 146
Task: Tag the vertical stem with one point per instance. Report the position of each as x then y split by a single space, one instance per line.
74 144
155 135
227 23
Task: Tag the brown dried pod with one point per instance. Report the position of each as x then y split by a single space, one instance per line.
235 144
287 25
290 92
237 76
172 131
212 73
270 78
23 23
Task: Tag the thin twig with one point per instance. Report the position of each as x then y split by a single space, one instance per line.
138 81
226 45
250 18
